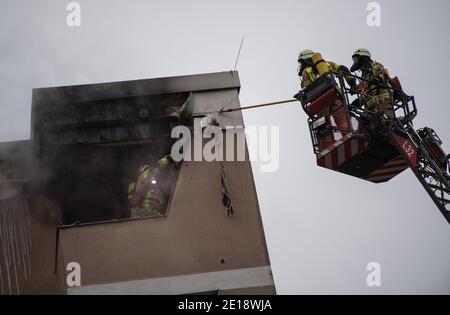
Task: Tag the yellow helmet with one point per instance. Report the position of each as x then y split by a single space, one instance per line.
305 54
361 57
164 161
142 169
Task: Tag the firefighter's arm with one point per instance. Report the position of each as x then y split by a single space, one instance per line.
347 75
334 67
376 82
131 191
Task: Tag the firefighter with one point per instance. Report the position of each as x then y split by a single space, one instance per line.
374 87
307 72
145 197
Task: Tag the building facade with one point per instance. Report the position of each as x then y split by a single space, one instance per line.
65 191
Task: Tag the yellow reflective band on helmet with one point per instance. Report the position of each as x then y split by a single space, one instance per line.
143 168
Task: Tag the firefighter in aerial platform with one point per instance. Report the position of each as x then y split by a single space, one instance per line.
374 88
145 196
311 66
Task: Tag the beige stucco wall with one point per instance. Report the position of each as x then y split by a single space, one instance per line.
195 237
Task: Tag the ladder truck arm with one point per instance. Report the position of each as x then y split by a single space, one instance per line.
433 177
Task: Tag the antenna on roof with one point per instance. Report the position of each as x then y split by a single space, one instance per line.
239 53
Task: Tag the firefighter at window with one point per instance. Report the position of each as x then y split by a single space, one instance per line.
145 196
311 66
374 88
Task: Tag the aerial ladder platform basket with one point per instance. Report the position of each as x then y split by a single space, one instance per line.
374 147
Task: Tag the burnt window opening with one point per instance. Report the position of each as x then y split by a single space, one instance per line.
106 157
92 183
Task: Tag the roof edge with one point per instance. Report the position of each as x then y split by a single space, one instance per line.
134 88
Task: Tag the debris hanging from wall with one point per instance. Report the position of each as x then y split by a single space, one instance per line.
226 199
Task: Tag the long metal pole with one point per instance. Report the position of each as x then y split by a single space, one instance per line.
257 106
243 108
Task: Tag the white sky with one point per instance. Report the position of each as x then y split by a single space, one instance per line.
322 228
